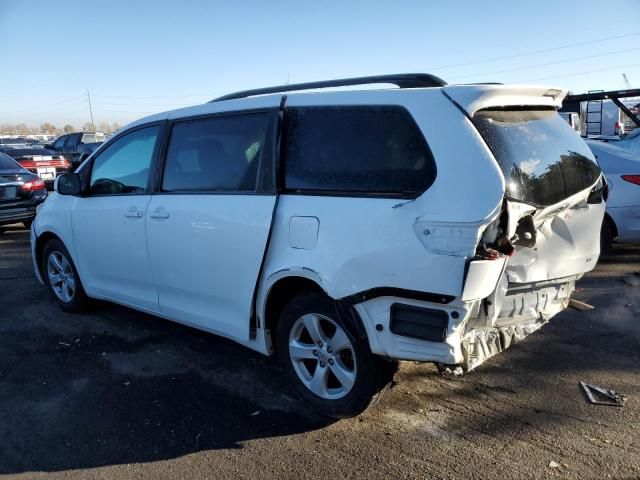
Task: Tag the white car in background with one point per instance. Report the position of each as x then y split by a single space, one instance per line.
621 168
338 229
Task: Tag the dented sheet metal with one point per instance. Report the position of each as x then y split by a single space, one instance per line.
567 242
510 314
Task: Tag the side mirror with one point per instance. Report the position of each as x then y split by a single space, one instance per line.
68 184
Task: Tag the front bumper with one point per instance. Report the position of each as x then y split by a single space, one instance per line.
15 215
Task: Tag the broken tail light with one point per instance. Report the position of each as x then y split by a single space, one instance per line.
599 192
33 185
635 179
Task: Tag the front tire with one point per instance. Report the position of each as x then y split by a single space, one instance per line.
329 367
61 276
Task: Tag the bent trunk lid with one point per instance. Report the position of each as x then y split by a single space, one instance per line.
553 218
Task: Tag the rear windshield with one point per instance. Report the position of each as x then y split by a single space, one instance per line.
356 150
543 159
92 137
8 163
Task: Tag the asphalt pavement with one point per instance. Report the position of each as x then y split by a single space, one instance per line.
114 393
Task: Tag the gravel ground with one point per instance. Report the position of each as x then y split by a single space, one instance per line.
118 394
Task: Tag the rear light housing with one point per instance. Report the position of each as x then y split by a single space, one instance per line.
33 185
64 163
30 164
635 179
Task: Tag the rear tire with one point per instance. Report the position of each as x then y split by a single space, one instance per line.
61 276
329 367
606 238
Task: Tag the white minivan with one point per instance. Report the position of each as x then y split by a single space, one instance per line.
340 229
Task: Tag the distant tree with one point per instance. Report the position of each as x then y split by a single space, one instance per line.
47 128
69 128
115 126
21 129
88 127
104 127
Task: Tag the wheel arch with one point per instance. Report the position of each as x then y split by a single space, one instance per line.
287 284
281 290
42 241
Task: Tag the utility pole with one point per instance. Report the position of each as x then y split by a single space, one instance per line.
90 109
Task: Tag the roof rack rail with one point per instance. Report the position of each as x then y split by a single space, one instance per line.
402 80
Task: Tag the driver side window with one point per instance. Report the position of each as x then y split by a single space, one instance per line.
123 167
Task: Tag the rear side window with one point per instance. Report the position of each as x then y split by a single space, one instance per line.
215 154
356 150
543 160
59 142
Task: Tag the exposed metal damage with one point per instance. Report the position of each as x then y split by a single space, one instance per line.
533 247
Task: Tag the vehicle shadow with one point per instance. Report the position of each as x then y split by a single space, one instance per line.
528 399
115 386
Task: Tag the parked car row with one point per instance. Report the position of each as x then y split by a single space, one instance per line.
48 161
40 161
20 192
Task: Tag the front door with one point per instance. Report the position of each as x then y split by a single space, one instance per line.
207 227
109 223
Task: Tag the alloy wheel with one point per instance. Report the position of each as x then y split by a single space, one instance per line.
323 356
61 276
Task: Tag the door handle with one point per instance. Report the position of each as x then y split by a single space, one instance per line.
133 213
159 214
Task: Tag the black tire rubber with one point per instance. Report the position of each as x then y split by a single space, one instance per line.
606 238
80 300
373 373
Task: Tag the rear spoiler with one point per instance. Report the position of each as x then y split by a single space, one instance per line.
472 98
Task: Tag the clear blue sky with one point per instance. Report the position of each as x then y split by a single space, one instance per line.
140 57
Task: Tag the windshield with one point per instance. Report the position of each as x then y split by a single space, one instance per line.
543 160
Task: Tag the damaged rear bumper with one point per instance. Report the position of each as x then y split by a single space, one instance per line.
472 331
512 313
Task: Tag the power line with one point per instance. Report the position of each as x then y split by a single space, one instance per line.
145 104
533 52
135 97
583 73
548 63
51 110
135 112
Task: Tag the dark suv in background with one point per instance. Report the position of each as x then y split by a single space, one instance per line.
77 146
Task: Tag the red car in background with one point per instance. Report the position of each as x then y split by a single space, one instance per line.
40 161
